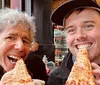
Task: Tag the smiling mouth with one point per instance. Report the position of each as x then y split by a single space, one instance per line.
13 59
87 46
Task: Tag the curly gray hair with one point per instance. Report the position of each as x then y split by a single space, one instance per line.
11 17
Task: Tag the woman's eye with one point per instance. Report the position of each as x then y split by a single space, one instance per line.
26 41
10 38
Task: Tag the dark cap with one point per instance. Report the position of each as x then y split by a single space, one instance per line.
59 14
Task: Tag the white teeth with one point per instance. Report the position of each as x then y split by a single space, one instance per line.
83 46
15 57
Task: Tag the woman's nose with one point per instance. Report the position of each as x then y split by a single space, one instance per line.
19 45
81 35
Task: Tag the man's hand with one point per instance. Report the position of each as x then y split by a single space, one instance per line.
96 72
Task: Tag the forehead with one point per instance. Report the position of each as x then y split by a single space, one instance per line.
19 28
88 13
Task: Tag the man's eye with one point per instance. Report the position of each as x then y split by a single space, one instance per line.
90 26
71 31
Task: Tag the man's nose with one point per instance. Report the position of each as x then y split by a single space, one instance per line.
19 45
81 35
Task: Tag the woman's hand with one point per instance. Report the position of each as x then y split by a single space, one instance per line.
96 72
38 82
8 75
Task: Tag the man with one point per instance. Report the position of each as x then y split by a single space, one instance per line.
81 20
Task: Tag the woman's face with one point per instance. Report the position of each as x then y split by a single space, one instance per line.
83 29
14 44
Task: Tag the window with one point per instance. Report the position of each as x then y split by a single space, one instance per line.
27 5
60 43
4 3
7 3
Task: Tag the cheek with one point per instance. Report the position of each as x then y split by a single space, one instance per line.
27 50
3 45
96 38
95 33
69 40
3 50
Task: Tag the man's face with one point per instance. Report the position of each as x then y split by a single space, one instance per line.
14 44
83 29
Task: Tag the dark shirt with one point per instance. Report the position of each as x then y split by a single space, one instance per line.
36 67
60 75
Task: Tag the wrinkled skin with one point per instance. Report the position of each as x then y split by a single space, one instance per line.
15 42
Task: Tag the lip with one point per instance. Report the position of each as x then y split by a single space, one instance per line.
14 58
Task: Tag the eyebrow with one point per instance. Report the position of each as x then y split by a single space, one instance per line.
91 21
15 34
68 27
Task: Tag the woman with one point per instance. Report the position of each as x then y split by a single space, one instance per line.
17 31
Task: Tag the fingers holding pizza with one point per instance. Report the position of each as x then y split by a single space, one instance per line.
96 72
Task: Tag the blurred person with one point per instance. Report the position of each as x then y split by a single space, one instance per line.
81 20
17 31
36 57
36 67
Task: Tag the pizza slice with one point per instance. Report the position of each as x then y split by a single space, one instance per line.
18 76
81 73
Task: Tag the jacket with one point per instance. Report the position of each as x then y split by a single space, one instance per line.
60 75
